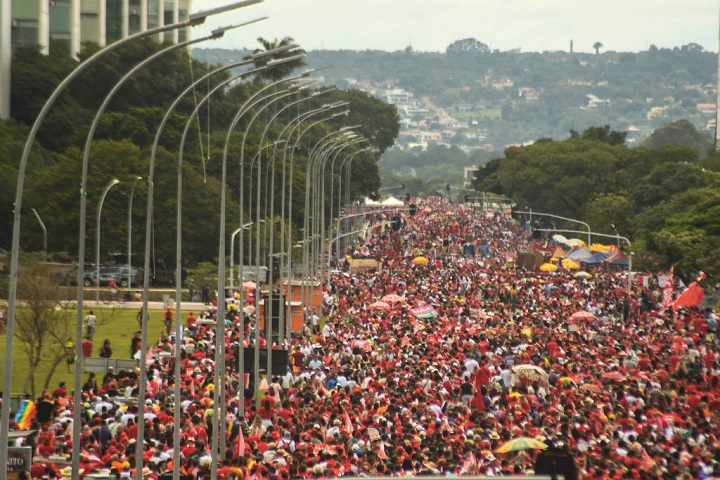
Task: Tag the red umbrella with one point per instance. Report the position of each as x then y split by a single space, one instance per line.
378 306
582 315
590 387
614 376
393 298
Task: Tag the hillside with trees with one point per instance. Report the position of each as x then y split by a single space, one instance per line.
501 98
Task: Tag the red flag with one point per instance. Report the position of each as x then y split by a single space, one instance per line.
349 429
381 452
691 297
647 461
668 290
241 442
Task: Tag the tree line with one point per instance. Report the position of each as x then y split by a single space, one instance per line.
665 199
124 138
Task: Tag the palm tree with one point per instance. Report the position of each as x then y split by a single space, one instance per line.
597 46
280 71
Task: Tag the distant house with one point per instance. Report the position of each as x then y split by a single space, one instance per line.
595 102
398 96
529 94
706 107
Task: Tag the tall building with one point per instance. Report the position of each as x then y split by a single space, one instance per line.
38 22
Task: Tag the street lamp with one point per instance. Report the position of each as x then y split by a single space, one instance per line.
42 225
341 134
192 20
232 251
148 228
129 248
296 123
253 100
112 183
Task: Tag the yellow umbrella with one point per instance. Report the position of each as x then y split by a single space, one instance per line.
569 264
548 267
521 443
420 260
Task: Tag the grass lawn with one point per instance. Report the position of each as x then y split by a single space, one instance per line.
117 325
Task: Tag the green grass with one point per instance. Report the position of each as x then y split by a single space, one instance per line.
117 325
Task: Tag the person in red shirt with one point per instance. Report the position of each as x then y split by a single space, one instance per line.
267 405
87 347
190 321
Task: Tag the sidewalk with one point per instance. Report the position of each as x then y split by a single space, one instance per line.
186 306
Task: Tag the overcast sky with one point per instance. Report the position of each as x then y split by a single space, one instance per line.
431 25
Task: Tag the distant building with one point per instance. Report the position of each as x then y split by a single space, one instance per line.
28 22
469 174
706 107
99 21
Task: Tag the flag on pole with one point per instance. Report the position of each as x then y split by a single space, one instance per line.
692 296
668 290
381 452
241 442
349 428
25 414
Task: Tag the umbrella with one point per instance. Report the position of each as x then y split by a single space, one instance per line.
249 284
582 315
582 275
378 306
548 267
393 298
569 264
590 388
521 443
530 372
423 311
614 376
420 260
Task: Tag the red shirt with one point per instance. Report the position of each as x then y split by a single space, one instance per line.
87 347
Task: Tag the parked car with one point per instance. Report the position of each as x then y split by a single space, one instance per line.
119 273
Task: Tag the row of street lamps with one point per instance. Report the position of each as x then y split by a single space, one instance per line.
325 150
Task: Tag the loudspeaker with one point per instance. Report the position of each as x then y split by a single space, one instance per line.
278 302
279 361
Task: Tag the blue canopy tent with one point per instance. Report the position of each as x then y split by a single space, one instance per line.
579 254
598 258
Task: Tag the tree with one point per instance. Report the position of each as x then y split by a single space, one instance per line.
597 46
467 45
280 71
603 134
43 324
680 132
607 209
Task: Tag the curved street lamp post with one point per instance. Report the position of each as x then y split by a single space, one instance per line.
97 241
193 19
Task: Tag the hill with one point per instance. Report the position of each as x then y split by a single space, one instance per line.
475 98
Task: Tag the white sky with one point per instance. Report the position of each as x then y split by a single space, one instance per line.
431 25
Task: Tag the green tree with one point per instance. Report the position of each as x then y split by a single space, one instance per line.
43 324
279 71
597 46
467 45
681 133
607 209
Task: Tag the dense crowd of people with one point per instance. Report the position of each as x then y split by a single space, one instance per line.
428 366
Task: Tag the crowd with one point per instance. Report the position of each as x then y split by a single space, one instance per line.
428 367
